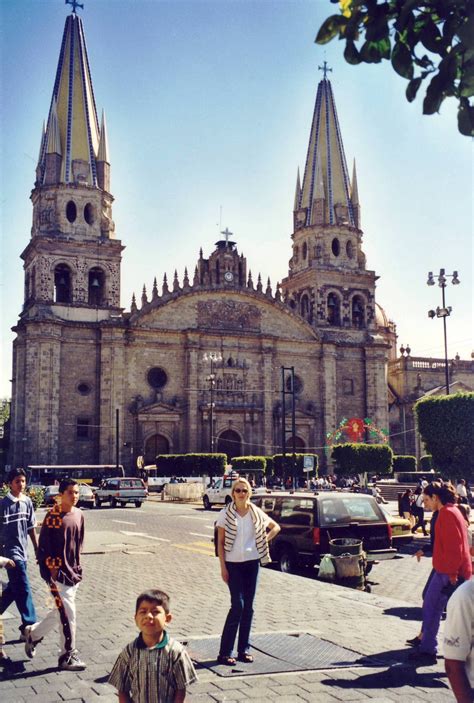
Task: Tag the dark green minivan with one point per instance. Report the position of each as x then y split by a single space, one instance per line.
309 520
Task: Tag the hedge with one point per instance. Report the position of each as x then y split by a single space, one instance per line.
402 462
354 458
290 465
191 464
426 463
249 464
445 424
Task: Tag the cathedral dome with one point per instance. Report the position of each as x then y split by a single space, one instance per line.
381 318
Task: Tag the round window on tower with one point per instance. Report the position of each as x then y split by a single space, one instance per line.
305 250
157 378
71 211
335 246
83 388
89 214
298 384
350 249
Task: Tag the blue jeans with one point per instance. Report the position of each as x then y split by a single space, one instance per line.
434 604
19 592
243 576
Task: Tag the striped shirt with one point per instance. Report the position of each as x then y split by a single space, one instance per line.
245 537
17 516
153 675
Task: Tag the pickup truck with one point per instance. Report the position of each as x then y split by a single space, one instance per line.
219 493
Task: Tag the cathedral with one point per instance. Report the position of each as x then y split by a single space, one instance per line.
193 365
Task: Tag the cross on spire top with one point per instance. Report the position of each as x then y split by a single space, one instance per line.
227 235
325 69
74 4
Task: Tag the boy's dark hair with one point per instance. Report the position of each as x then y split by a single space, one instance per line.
65 483
13 473
153 595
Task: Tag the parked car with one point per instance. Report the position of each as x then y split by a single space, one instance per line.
120 491
309 521
86 496
401 528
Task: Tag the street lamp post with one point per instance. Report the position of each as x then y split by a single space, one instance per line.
443 311
212 357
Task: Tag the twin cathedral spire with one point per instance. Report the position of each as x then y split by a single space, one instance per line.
72 212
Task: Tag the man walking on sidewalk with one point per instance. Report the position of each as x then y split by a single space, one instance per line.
60 546
17 521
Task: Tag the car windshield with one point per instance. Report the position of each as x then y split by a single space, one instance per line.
346 508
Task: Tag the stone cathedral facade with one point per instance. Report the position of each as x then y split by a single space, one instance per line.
79 356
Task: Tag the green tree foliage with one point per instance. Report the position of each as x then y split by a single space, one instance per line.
428 42
354 458
191 464
403 462
291 465
249 464
446 426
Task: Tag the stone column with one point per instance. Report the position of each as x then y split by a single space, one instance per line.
268 399
329 390
376 360
112 393
191 394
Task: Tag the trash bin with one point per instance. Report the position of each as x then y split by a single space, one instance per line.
350 562
345 545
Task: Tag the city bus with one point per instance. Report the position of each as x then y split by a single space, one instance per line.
51 474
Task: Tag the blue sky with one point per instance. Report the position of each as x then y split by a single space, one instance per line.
209 106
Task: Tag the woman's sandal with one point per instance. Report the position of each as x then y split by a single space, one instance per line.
227 661
245 657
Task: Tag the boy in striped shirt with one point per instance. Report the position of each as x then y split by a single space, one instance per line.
153 668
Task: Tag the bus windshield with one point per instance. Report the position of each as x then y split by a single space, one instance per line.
49 475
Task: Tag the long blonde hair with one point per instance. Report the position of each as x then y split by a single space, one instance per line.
246 484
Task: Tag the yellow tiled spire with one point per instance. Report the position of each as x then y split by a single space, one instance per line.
325 176
72 121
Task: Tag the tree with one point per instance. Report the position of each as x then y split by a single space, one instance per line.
426 41
446 427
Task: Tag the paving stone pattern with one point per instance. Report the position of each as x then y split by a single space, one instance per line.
118 566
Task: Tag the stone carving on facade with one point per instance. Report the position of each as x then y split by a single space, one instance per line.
228 315
113 283
44 278
81 280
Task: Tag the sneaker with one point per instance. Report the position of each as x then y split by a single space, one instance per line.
71 662
414 642
30 644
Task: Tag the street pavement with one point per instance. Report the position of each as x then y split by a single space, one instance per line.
168 545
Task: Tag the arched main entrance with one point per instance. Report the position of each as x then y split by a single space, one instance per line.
299 445
156 444
230 443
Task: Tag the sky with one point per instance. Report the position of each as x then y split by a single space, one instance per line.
208 107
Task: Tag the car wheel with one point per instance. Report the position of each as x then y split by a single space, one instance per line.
287 561
113 502
228 500
122 504
138 504
207 503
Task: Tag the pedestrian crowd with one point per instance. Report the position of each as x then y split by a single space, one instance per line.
154 668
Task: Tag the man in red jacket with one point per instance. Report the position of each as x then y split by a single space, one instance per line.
451 564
